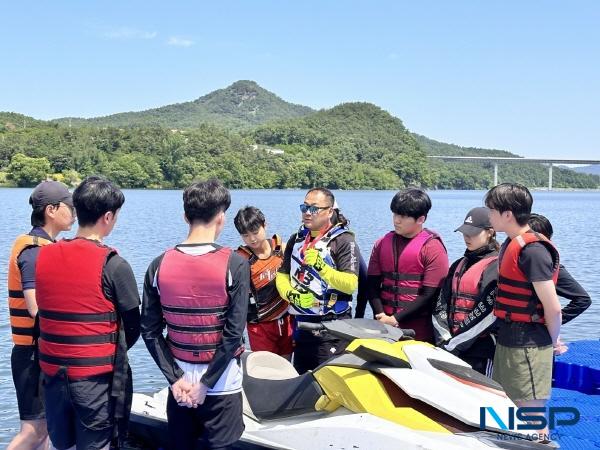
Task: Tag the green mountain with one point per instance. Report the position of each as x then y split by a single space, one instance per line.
250 138
242 105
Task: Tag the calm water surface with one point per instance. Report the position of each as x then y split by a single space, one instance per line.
151 221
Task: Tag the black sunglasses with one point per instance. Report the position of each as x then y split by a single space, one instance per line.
311 209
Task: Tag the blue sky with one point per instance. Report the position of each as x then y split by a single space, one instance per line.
517 75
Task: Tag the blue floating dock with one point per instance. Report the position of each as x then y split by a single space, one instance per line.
576 383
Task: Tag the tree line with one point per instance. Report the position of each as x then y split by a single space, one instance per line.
351 146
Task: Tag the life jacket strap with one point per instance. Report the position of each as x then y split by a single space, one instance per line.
109 338
79 317
77 362
397 276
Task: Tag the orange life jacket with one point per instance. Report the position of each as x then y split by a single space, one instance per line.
265 302
21 323
516 300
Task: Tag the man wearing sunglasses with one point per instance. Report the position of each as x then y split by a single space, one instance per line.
318 276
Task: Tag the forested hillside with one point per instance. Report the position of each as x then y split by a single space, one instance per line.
242 105
249 138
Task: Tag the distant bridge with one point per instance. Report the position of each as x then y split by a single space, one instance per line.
500 159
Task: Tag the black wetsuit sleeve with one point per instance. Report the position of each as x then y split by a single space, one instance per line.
153 324
345 253
26 263
424 302
362 297
287 255
119 285
373 288
235 320
441 308
567 287
445 295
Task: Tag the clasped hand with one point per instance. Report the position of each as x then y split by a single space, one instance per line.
189 394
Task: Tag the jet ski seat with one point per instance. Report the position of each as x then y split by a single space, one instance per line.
273 389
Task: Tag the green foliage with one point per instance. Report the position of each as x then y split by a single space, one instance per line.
26 171
237 134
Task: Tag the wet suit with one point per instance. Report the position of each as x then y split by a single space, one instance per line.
567 287
472 342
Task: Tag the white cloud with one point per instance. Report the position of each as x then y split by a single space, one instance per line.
129 33
393 56
180 42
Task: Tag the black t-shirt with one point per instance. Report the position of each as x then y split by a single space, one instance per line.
344 252
28 257
119 285
536 262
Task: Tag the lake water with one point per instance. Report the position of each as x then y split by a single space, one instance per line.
151 221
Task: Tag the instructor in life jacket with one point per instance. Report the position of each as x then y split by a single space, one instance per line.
407 267
463 315
52 213
269 324
318 276
199 290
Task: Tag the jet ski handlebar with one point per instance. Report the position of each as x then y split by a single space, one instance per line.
357 328
309 326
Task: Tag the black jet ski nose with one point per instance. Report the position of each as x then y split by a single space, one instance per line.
350 329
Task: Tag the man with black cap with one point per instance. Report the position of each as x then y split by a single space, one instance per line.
462 317
52 213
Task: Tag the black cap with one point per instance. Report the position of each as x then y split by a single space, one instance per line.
50 193
476 220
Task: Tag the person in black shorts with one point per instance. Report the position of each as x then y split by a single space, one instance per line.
199 291
52 213
89 317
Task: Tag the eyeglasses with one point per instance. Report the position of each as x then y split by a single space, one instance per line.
312 209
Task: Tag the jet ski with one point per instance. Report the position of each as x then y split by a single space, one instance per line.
387 391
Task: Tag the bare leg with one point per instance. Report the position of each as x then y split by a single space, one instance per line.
544 434
32 436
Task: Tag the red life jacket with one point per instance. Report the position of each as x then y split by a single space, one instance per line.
402 274
516 300
266 304
194 299
78 324
466 289
402 280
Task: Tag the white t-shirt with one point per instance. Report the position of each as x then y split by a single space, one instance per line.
229 383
